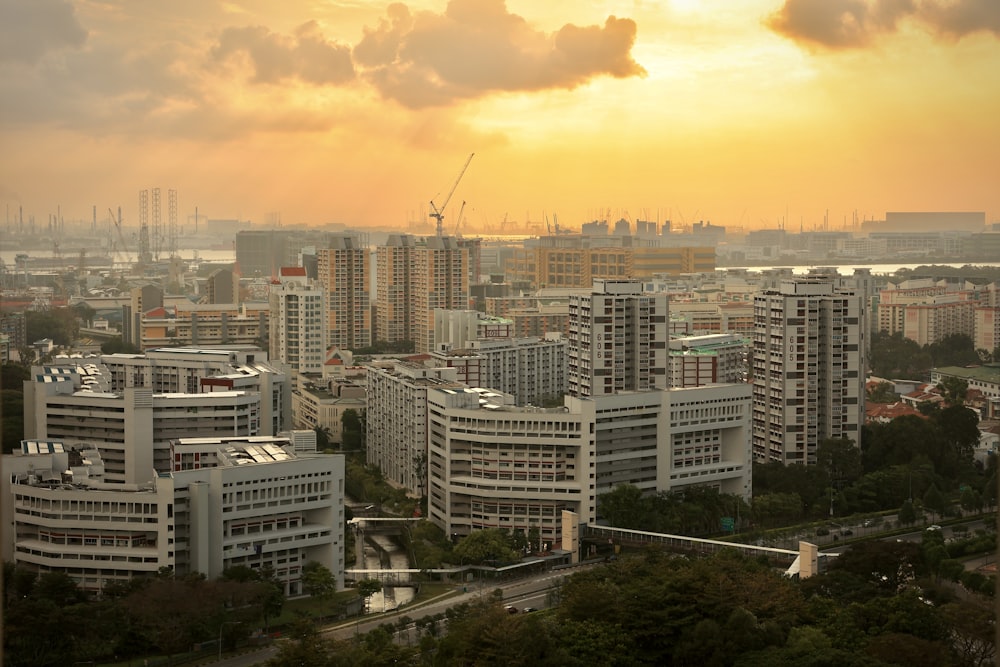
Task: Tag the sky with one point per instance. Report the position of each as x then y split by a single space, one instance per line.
744 113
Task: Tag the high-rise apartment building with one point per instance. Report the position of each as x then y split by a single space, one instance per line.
532 370
393 287
808 369
617 339
297 321
440 280
343 272
413 278
396 434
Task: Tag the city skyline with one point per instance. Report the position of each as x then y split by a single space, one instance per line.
755 114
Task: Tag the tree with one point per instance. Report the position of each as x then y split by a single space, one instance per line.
352 430
907 514
318 581
954 389
934 500
304 649
883 392
623 506
323 438
12 424
117 345
840 458
485 546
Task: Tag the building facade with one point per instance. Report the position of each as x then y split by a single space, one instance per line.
808 369
343 268
532 370
577 261
298 315
699 360
617 339
396 437
440 281
710 439
252 504
394 267
179 370
494 465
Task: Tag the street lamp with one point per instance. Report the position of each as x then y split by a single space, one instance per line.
224 624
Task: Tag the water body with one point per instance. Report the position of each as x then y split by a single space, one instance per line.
848 269
389 556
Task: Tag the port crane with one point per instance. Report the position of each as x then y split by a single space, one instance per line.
438 213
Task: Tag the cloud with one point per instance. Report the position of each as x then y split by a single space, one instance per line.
837 24
306 55
960 18
478 47
33 28
846 24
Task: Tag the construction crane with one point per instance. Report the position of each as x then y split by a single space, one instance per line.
438 213
121 248
458 222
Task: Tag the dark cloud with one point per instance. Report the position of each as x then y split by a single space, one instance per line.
30 29
306 55
477 47
838 23
843 24
963 17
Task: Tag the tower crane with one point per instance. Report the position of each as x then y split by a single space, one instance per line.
458 220
438 213
121 248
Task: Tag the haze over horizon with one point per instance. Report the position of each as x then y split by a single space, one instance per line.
738 112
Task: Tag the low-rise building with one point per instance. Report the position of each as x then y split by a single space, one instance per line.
252 504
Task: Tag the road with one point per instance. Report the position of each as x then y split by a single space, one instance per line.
530 591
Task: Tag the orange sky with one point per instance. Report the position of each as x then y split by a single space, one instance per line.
735 111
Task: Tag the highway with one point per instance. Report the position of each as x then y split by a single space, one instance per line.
532 591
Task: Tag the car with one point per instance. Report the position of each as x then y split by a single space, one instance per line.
528 610
934 527
510 609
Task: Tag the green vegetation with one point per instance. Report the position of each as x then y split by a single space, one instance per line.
898 357
971 272
12 377
60 324
115 346
879 604
384 347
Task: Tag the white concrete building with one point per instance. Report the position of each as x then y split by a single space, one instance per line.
254 505
710 443
191 370
617 339
297 322
699 360
322 405
808 369
457 329
494 465
631 438
533 370
132 430
396 437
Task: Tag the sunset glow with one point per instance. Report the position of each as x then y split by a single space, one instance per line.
742 112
